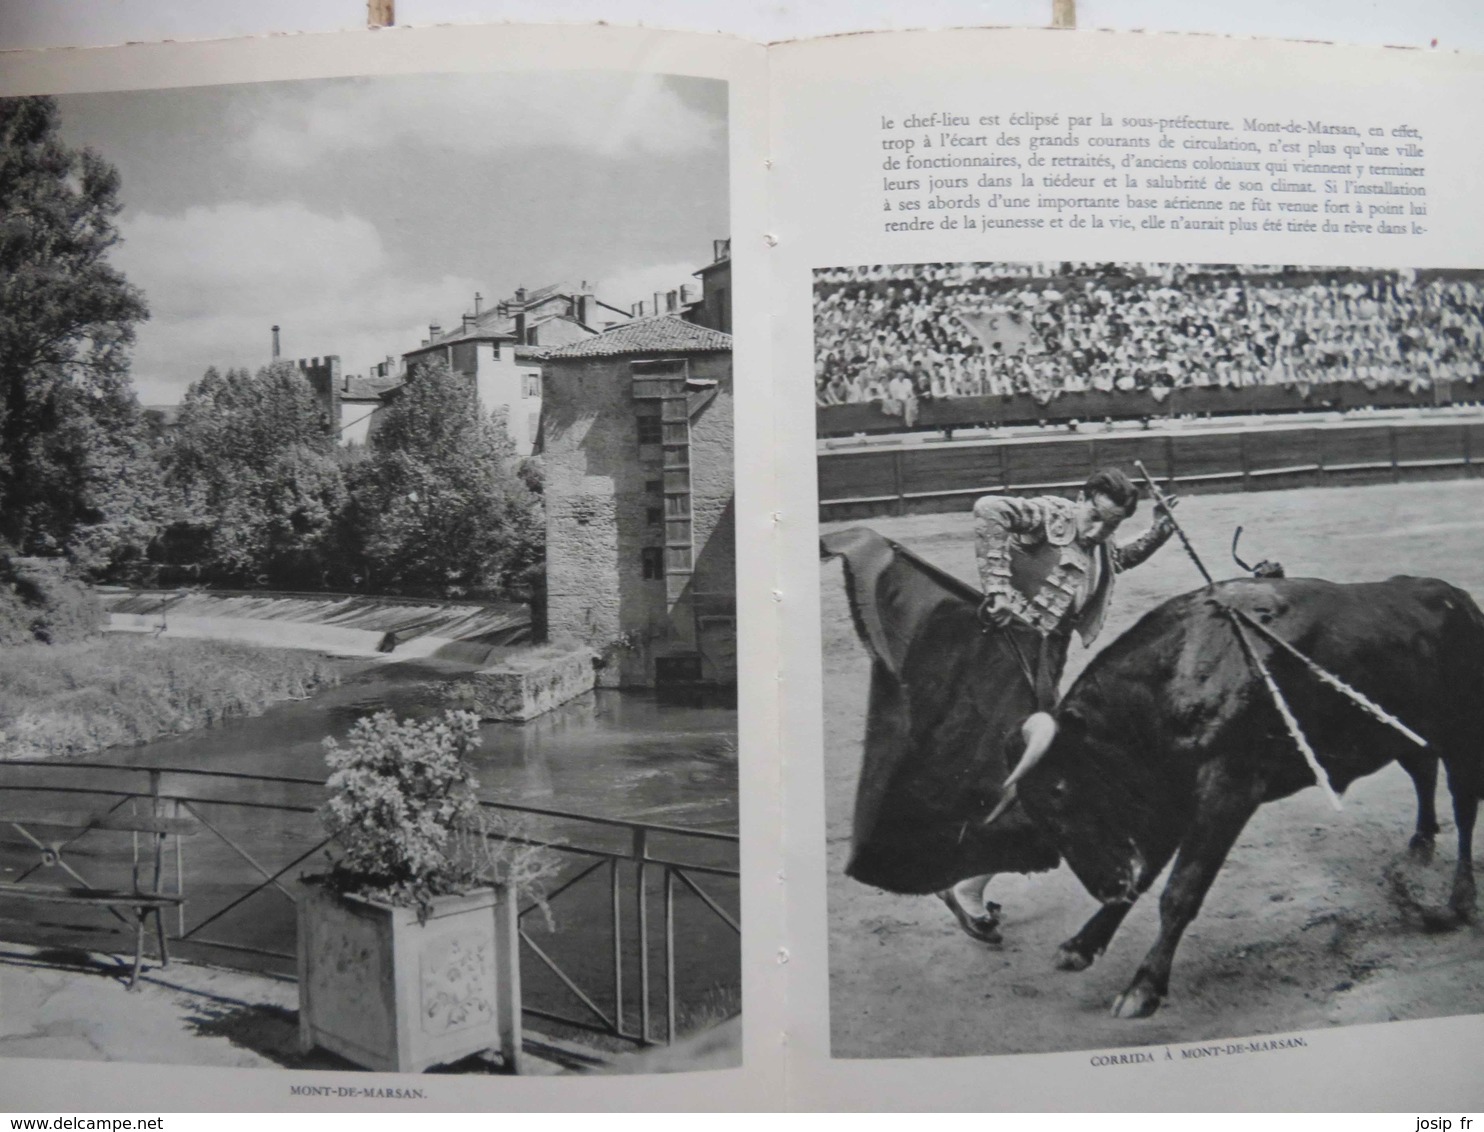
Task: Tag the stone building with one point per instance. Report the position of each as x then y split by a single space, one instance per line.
715 306
637 445
323 375
500 349
363 398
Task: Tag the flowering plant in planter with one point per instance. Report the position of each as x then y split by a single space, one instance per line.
407 820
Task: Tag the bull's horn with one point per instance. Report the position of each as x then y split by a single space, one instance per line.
1004 804
1038 732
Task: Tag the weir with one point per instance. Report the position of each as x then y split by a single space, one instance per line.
338 624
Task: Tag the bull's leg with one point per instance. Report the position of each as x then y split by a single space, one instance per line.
1465 810
1077 953
1461 900
1223 808
1425 781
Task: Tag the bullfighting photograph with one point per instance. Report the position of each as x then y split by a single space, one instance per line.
1153 658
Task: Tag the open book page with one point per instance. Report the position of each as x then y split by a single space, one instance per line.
1015 272
276 487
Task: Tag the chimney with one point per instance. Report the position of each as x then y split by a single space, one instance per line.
391 367
478 303
275 343
586 304
657 306
520 316
468 323
672 300
434 331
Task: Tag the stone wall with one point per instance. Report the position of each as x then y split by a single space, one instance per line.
526 685
323 375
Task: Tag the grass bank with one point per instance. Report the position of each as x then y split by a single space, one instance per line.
117 690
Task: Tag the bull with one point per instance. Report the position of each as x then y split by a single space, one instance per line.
1168 741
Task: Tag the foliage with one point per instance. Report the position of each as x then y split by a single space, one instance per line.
40 601
438 503
100 499
258 482
68 420
122 689
408 821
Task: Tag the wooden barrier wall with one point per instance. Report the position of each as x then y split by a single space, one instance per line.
915 479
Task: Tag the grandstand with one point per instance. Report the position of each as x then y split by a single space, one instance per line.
951 345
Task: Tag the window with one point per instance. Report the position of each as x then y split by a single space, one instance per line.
654 516
654 487
652 562
651 430
531 385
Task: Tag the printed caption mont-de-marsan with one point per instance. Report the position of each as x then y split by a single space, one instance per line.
967 172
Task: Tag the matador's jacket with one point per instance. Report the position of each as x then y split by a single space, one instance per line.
1028 552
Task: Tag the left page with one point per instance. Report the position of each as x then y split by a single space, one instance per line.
374 699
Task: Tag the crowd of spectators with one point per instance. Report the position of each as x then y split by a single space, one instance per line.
904 334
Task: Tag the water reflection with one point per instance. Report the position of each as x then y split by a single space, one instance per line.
608 753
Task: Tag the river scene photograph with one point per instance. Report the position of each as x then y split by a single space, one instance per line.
368 639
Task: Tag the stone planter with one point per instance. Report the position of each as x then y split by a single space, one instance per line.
388 993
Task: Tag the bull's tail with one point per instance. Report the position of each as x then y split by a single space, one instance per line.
1464 642
1475 618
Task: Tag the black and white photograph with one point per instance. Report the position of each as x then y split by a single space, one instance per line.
368 636
1153 658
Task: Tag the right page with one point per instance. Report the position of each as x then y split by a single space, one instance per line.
1132 673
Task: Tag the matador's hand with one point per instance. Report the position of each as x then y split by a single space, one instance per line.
994 611
1164 522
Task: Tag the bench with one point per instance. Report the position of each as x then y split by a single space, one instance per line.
145 896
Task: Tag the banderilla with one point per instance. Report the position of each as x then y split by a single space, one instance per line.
1163 503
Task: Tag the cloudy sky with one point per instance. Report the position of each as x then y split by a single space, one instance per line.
353 212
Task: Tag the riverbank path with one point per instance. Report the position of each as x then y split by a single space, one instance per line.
75 1005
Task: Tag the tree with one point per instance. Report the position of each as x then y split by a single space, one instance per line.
66 324
257 479
439 506
97 496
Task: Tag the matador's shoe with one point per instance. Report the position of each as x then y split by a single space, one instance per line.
984 927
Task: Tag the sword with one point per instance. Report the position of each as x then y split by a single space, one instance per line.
1163 503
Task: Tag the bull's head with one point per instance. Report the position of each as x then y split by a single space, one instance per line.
1097 802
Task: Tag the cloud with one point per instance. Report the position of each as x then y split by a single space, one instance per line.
218 278
603 114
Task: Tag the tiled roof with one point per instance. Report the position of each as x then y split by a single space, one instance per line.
662 334
492 324
359 388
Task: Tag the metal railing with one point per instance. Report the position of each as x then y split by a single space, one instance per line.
639 856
